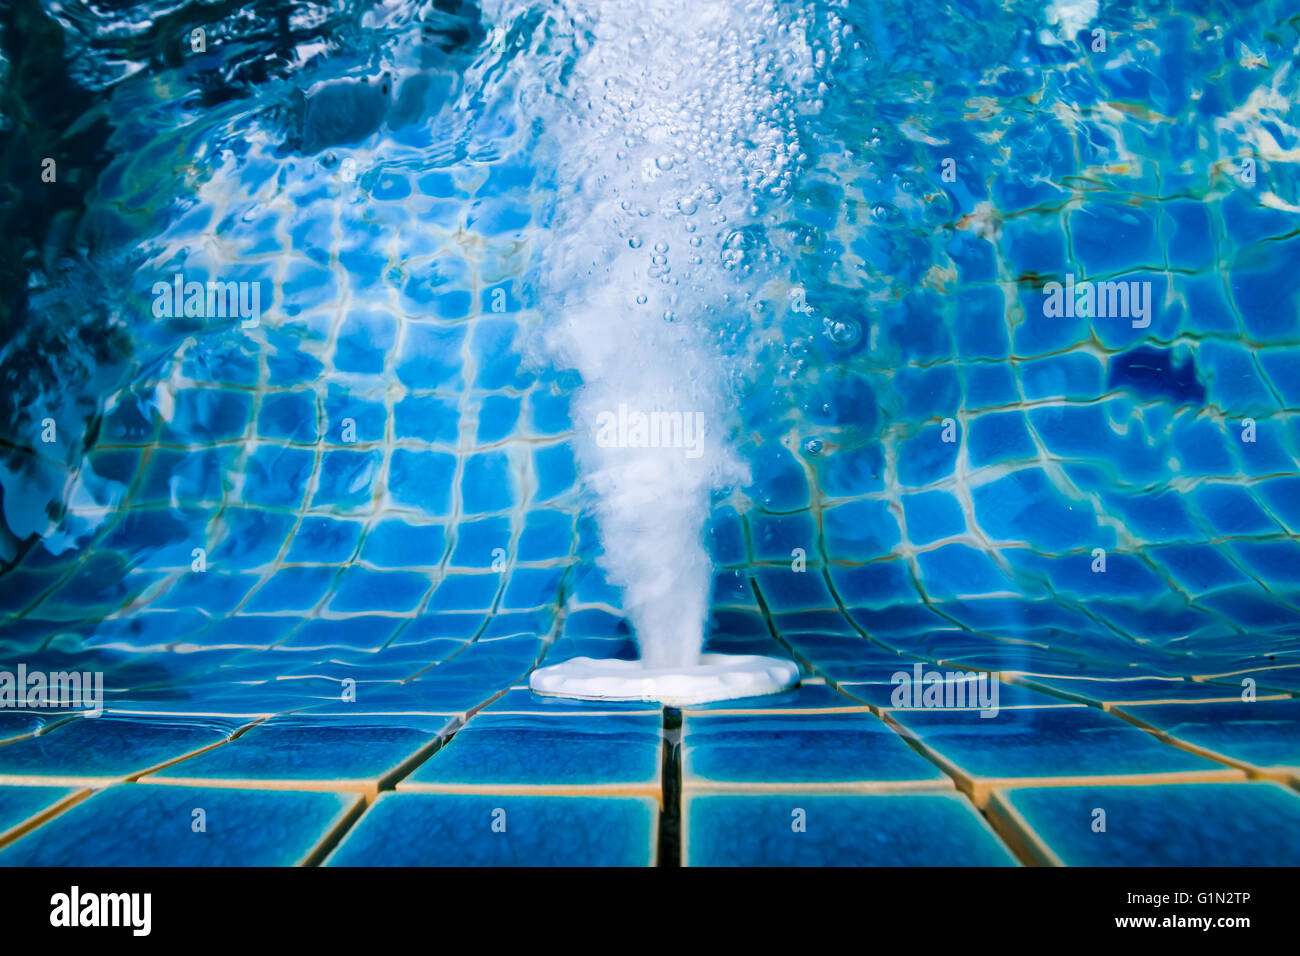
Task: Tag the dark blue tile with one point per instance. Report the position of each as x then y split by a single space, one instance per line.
110 746
1047 742
1265 733
340 752
1188 824
801 829
799 750
142 825
18 805
496 751
424 829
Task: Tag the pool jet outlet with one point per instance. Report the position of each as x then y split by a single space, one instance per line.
715 677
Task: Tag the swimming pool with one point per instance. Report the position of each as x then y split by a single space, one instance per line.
327 333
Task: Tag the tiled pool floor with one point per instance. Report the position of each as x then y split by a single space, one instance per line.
1140 770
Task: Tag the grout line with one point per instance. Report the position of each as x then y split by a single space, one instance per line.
317 855
1014 830
669 846
38 819
239 732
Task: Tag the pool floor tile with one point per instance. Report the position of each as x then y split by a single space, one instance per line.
19 805
15 726
1049 742
109 748
826 750
138 824
500 753
801 829
886 696
1179 824
440 829
1152 689
327 753
1263 733
1283 679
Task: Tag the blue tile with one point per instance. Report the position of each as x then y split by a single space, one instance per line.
364 337
1262 732
468 592
776 536
141 825
20 804
556 471
800 829
908 694
347 478
1216 824
1135 690
394 543
419 829
789 590
956 569
277 477
341 751
497 418
1047 742
497 751
14 725
928 456
431 357
1025 506
422 480
482 543
358 632
860 529
487 485
360 589
288 415
110 746
995 438
428 417
1108 237
799 750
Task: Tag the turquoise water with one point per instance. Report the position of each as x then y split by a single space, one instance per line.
330 529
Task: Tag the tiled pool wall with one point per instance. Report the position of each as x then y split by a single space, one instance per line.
315 558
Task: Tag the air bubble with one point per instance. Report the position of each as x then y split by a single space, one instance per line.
843 331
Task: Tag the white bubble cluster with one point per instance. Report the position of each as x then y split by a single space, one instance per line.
674 121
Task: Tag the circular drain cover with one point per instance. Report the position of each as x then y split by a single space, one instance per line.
716 677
